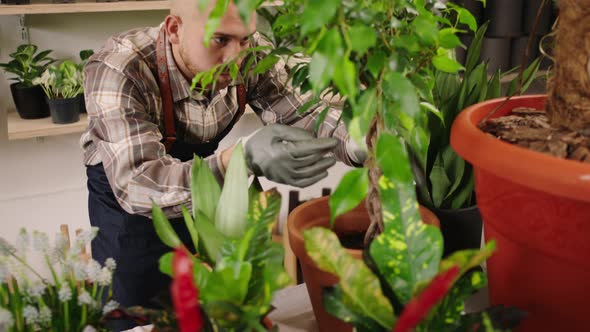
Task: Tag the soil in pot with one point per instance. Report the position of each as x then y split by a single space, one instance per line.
29 101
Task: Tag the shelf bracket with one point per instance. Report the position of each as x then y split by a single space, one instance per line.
24 29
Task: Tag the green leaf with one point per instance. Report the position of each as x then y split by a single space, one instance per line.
442 62
205 189
408 251
351 190
165 263
265 64
362 38
234 70
320 71
317 14
320 120
211 239
232 209
440 183
190 225
345 78
358 284
426 29
363 112
400 90
228 282
334 301
448 39
214 20
474 50
468 259
376 62
389 150
466 17
163 228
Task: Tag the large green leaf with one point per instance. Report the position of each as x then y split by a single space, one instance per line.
408 251
228 282
163 228
345 78
205 189
317 14
362 38
364 111
214 20
232 209
210 238
468 259
358 284
401 91
351 190
190 225
389 150
335 304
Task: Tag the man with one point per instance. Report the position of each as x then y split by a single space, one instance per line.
146 123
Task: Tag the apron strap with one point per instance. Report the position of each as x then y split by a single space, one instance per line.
168 103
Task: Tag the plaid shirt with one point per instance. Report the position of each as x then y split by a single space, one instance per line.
126 123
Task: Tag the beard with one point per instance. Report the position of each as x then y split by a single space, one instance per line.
222 82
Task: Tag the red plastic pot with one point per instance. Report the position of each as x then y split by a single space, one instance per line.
537 208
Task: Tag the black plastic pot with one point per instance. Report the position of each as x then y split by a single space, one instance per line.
16 2
518 48
505 18
497 52
82 104
64 110
30 101
530 14
461 228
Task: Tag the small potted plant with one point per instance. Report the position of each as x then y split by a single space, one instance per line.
63 86
70 299
28 64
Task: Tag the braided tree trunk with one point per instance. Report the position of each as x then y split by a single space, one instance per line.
568 103
373 201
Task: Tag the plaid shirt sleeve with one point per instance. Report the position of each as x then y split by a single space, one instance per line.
276 101
126 139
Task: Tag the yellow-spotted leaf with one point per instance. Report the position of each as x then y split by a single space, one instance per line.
358 284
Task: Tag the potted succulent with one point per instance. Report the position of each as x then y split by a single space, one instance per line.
28 64
63 86
70 299
236 267
538 214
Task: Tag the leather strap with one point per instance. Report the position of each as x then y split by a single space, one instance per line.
168 103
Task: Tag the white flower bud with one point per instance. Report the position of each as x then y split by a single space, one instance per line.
22 241
111 264
106 276
84 298
36 290
31 314
45 315
65 293
110 306
40 241
93 271
6 320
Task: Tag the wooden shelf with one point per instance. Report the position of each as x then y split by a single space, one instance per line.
21 129
86 6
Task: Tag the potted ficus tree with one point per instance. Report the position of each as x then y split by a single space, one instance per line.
28 64
63 86
533 200
236 267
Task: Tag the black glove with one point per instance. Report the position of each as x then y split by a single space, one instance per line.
289 155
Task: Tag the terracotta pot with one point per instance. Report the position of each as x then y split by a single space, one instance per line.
537 208
316 213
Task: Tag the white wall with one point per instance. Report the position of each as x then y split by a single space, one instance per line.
43 181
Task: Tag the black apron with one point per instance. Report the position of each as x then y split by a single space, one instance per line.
131 239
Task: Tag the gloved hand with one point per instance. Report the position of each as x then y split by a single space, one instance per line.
356 152
289 155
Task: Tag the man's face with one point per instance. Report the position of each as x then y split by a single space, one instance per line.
231 37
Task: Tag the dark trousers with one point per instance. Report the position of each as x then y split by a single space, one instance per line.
132 241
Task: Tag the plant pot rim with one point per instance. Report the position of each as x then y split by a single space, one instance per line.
296 233
536 170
